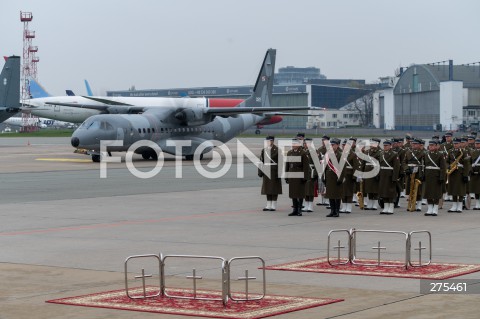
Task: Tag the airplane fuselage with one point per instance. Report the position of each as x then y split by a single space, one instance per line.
133 128
79 114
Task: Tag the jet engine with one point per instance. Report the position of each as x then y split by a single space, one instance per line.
193 116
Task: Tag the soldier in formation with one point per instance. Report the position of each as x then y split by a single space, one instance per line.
271 182
297 184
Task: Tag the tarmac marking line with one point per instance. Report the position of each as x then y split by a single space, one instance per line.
74 160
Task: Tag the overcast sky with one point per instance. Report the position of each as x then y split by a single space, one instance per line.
191 43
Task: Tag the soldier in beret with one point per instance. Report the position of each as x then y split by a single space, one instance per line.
297 184
271 182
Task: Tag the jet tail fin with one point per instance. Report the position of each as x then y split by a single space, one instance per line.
89 90
10 87
262 91
37 90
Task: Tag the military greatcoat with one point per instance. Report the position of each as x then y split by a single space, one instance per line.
297 185
435 170
389 173
269 158
457 180
371 184
475 177
333 176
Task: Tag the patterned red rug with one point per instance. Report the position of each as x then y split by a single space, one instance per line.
432 271
271 305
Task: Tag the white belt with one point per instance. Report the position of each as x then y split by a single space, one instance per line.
270 164
384 167
460 165
431 167
475 165
370 164
413 165
349 167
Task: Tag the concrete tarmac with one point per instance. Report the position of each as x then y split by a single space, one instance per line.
66 232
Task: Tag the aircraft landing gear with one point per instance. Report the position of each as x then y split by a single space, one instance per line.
150 154
257 132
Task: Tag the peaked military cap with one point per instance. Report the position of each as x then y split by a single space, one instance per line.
308 139
457 140
270 138
325 137
301 135
449 134
335 141
477 140
352 138
375 140
387 142
434 142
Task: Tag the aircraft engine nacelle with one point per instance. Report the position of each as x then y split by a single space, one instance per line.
193 116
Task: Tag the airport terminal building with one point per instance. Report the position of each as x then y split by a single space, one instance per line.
331 97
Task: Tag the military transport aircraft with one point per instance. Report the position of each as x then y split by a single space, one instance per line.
10 88
192 120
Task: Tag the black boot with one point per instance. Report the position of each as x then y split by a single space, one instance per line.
300 206
295 207
338 202
396 201
332 208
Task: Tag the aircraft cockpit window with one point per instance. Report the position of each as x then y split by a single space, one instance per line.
93 125
106 126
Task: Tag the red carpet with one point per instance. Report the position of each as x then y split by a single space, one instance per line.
432 271
271 305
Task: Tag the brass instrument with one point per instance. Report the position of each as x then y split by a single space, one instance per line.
412 196
453 167
361 203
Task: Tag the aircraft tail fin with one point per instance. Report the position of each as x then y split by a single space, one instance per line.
10 85
69 93
89 90
262 91
37 90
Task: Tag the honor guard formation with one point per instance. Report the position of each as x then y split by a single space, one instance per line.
373 174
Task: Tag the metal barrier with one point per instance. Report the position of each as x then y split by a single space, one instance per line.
339 247
420 248
225 278
352 248
246 278
143 276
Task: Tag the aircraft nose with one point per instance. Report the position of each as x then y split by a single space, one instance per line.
75 141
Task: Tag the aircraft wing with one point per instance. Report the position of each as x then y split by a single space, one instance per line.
226 111
110 107
288 114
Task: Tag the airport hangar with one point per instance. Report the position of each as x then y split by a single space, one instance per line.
331 96
439 96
